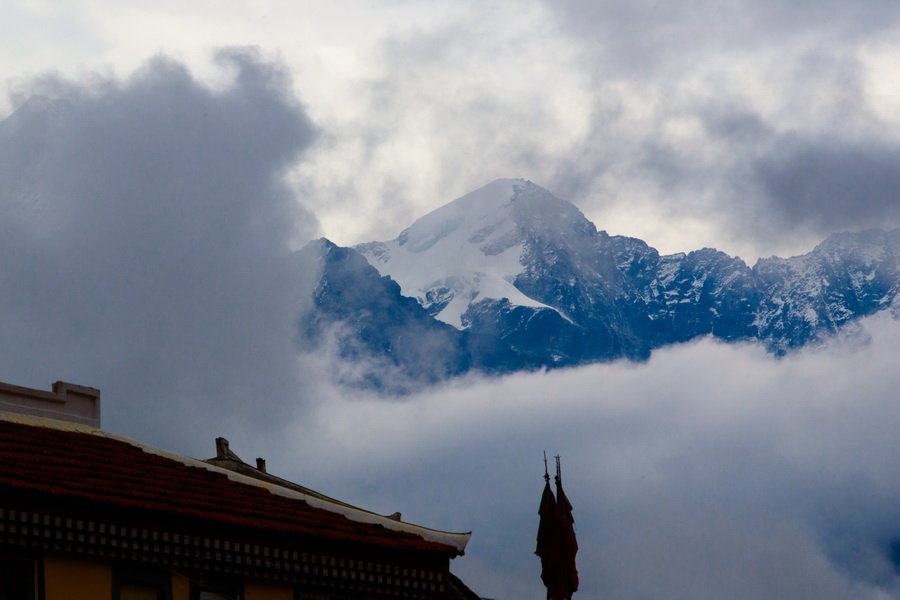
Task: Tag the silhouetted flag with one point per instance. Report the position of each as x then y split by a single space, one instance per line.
567 545
547 546
556 543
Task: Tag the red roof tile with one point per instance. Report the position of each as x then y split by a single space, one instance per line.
97 468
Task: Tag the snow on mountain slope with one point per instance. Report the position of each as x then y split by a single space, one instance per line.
844 277
462 253
512 263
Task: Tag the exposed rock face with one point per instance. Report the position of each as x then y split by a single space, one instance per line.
396 345
510 277
806 297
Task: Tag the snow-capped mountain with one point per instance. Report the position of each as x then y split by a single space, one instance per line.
465 252
537 284
513 261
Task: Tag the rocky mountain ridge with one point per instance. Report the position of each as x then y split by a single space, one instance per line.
534 281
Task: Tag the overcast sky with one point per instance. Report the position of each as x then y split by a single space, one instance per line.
755 127
164 158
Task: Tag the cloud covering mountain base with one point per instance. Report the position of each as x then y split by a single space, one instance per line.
711 471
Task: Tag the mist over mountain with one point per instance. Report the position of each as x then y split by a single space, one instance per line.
510 278
396 344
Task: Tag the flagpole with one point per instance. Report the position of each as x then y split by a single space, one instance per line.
546 474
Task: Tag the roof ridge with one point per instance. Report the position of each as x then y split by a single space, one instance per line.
457 541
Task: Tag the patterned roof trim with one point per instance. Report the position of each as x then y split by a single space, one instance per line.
235 505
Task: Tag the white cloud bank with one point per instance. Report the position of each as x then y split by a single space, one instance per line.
712 471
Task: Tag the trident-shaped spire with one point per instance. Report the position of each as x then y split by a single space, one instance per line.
556 543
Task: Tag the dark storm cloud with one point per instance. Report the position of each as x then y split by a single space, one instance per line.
700 61
144 231
828 185
648 37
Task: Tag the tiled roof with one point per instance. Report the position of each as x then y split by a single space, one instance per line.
94 466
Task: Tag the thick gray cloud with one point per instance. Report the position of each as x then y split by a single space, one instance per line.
667 121
654 37
712 471
752 77
144 244
829 184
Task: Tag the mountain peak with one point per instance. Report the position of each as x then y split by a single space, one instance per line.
475 213
469 249
490 210
486 205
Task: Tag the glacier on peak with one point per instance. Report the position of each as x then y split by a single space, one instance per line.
464 252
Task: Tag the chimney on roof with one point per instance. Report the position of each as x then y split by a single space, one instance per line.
222 449
261 464
66 402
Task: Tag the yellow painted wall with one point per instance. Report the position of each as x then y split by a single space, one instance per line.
67 578
181 586
259 590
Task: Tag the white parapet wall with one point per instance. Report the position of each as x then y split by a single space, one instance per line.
66 402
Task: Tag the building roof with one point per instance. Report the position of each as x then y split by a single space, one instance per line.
76 461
